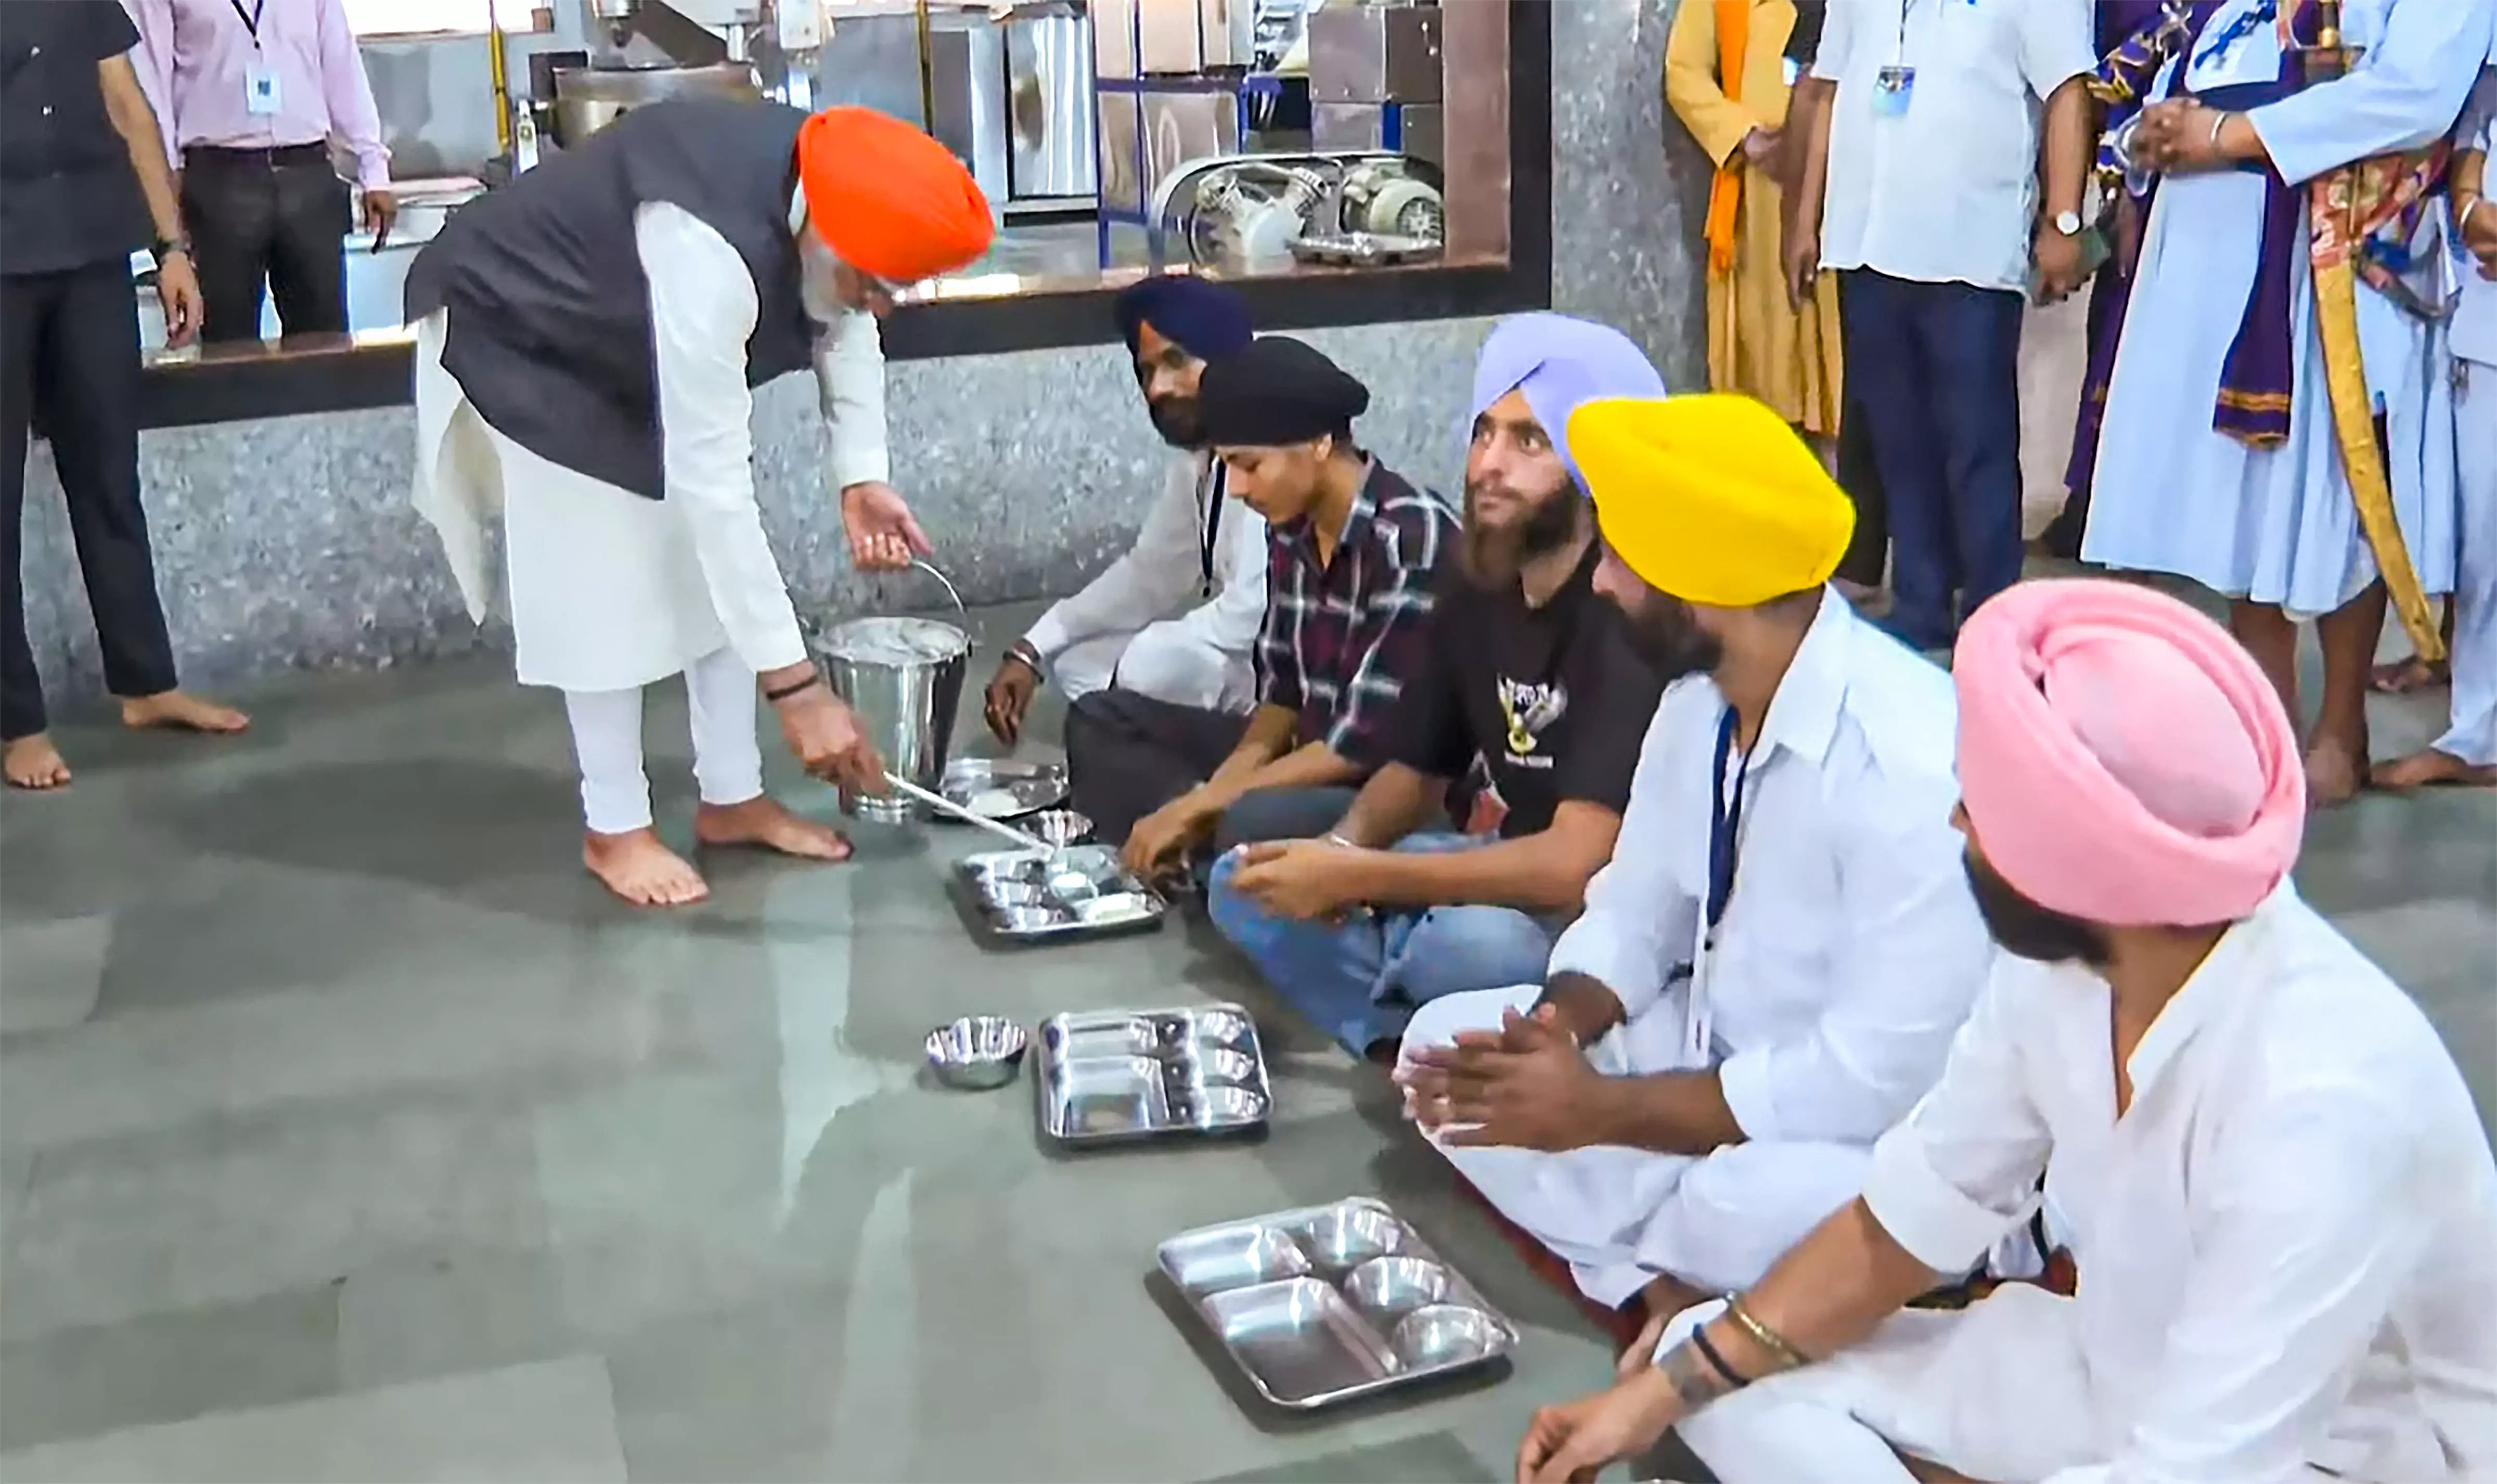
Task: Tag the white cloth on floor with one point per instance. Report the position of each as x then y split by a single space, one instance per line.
2278 524
609 591
1848 957
2286 1244
607 743
1134 620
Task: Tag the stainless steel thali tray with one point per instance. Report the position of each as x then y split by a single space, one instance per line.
1079 892
1328 1304
1117 1076
1004 788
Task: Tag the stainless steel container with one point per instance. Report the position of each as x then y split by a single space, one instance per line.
588 99
1375 54
903 678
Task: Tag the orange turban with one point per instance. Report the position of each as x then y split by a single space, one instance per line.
887 198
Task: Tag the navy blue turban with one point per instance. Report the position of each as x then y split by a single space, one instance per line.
1200 317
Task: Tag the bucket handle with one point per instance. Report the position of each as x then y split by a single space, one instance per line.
943 581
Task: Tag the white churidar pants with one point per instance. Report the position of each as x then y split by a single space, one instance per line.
2473 734
1621 1216
607 743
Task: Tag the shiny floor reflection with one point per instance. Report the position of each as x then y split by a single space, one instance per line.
347 1132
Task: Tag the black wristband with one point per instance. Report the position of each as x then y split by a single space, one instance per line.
796 689
1708 1352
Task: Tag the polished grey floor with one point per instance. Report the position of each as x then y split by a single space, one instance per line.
347 1132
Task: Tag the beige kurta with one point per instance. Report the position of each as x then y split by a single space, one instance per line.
1757 345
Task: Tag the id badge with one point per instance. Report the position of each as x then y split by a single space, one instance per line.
260 96
1892 87
1793 69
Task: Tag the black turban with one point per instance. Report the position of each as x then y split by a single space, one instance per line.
1276 392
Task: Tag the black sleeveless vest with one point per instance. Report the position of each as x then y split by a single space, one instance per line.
549 331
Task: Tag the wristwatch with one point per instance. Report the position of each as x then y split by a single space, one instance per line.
2069 223
165 247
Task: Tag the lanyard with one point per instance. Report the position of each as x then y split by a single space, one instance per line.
1724 822
2238 30
251 19
1209 520
1901 57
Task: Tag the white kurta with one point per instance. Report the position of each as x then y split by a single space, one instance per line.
2287 1245
609 591
2278 524
1848 954
2473 734
1133 623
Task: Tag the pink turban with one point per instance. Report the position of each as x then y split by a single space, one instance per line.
2121 758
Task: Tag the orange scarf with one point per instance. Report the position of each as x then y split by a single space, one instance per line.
1726 192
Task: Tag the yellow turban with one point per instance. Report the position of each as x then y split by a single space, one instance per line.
1711 499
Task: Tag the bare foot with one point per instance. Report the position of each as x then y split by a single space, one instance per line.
176 710
641 870
767 826
2403 677
2335 771
2427 768
34 762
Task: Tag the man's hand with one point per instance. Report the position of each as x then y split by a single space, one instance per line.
2177 136
884 536
1802 263
1579 1439
1159 843
177 291
381 209
1009 696
2059 262
2479 234
1303 881
1534 1088
1761 146
824 736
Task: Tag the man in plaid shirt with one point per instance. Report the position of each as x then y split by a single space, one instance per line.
1355 554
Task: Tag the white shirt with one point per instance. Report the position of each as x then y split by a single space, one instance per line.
2287 1245
703 310
1945 192
1166 568
1850 947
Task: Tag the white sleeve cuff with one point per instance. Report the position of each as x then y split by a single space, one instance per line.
777 646
1931 1218
1589 947
859 459
1744 1081
1049 635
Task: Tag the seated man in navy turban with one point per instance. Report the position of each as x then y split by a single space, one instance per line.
1176 616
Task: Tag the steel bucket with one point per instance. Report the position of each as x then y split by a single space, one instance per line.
903 679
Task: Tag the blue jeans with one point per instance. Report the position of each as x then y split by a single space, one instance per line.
1360 980
1935 368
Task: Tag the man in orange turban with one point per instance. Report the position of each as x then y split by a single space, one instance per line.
587 341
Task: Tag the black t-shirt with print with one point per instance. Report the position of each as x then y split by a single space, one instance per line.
1553 699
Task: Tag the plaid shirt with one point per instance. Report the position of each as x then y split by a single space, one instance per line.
1340 639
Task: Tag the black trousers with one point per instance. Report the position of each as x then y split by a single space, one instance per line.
1868 552
69 351
273 217
1129 754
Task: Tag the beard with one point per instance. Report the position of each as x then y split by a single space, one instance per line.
1179 420
2025 930
1667 635
1494 555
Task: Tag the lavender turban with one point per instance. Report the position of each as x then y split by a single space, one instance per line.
1560 363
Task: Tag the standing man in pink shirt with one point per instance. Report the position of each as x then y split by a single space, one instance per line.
249 93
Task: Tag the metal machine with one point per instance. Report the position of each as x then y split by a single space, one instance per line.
640 52
1253 212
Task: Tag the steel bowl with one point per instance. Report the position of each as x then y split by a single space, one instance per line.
1343 1238
1392 1287
1447 1334
1058 827
1015 894
977 1051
